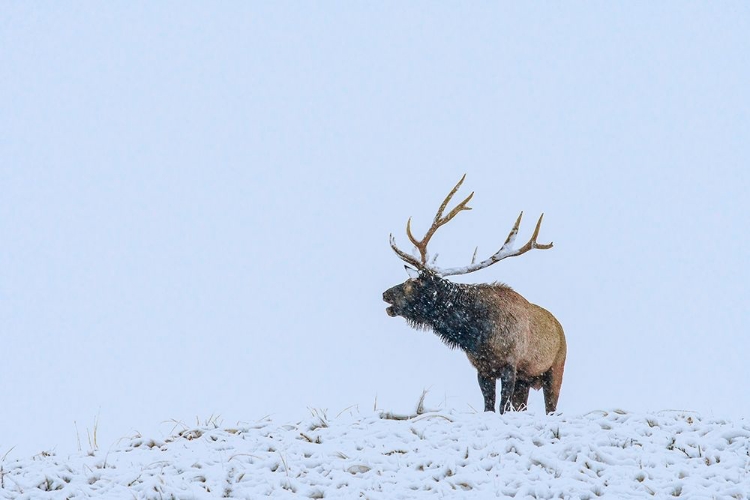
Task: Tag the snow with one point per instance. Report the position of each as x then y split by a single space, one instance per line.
608 454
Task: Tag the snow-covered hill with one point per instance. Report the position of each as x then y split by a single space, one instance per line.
609 454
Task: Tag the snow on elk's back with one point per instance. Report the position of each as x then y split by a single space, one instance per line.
518 455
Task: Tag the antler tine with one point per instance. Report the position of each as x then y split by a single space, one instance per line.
505 251
459 207
513 232
532 243
439 220
405 256
413 240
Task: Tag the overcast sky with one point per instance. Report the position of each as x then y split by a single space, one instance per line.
195 202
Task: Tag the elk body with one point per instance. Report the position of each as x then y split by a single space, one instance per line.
504 336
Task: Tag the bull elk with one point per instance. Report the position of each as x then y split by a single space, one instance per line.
503 335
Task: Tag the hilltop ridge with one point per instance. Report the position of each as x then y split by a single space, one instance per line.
611 454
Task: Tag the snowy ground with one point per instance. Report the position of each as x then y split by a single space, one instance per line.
610 454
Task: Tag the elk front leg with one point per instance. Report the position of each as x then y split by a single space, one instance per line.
508 379
487 384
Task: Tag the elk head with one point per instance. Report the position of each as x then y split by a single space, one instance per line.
416 297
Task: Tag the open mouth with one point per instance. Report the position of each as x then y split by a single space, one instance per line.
391 311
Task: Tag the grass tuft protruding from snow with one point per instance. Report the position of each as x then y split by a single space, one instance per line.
612 454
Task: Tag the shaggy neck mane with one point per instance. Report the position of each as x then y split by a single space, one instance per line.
462 320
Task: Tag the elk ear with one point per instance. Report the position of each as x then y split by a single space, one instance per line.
413 273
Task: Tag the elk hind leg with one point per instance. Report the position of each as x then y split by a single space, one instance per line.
520 399
551 385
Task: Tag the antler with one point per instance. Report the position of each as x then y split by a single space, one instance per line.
505 251
439 221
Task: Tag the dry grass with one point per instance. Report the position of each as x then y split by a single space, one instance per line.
419 413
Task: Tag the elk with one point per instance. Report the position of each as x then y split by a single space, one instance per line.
503 335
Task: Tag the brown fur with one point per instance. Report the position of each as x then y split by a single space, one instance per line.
533 341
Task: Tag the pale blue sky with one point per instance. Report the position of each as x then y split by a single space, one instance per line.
195 202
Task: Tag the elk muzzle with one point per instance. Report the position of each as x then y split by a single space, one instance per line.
391 296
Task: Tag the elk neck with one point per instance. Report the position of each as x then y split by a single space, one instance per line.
460 319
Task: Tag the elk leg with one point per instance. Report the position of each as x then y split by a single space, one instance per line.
551 385
508 379
487 384
520 396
